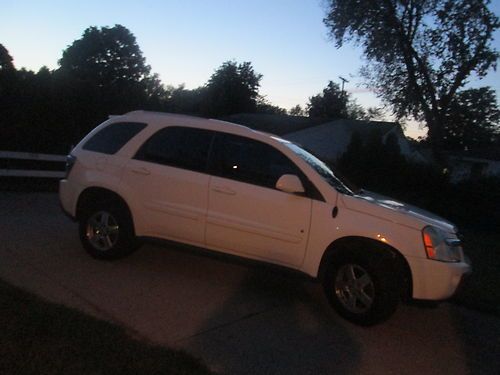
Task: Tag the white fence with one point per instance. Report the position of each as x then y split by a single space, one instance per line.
31 172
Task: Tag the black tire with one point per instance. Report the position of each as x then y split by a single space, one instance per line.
107 232
362 288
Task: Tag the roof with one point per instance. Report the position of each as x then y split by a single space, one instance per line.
330 140
160 115
160 119
269 123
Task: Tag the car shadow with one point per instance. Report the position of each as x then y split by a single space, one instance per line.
280 322
285 326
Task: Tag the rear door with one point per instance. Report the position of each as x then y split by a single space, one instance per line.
168 184
247 215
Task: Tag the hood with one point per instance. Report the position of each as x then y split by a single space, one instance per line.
400 213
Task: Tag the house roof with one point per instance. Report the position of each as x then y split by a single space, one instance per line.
331 139
327 140
276 124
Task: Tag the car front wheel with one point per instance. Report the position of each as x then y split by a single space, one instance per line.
362 289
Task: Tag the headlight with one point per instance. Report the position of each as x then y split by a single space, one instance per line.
438 247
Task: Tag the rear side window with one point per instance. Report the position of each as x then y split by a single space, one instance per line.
179 147
248 160
113 137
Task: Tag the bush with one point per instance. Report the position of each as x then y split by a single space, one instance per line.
381 168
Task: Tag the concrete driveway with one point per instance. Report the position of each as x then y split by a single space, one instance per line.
240 319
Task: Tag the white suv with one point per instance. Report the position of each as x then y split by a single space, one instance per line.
228 188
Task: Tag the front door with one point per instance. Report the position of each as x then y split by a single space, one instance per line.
247 215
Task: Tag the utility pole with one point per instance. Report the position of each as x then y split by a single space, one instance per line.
343 82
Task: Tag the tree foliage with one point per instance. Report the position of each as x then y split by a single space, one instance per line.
419 52
101 73
472 120
106 56
472 202
182 100
360 166
297 111
264 106
106 71
233 88
333 103
7 73
5 60
330 104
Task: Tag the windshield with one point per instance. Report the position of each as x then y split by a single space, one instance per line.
320 167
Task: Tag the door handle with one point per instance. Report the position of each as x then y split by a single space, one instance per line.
142 171
223 190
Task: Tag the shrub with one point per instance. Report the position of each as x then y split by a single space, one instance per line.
381 168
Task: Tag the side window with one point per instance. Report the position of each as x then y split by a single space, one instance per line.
178 147
247 160
113 137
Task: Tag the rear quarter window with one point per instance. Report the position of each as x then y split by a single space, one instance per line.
112 138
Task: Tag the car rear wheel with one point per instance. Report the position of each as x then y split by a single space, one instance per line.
107 232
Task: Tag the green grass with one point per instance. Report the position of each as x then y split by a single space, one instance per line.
482 289
37 337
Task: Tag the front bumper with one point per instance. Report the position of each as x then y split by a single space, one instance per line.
435 280
463 282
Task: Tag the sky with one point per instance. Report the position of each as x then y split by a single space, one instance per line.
184 41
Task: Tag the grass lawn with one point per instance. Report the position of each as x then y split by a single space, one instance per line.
38 337
482 289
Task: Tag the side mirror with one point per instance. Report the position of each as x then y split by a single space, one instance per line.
289 183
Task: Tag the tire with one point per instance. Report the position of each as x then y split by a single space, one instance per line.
362 289
107 231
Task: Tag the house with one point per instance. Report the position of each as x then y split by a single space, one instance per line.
330 140
480 163
273 123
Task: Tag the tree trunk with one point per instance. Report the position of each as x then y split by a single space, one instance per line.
435 135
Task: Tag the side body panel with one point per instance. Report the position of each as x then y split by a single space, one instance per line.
168 202
237 218
251 220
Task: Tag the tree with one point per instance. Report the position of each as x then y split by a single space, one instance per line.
233 88
331 103
264 106
7 73
6 64
419 52
102 73
355 111
106 71
156 94
472 120
375 113
297 111
105 56
8 104
182 100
